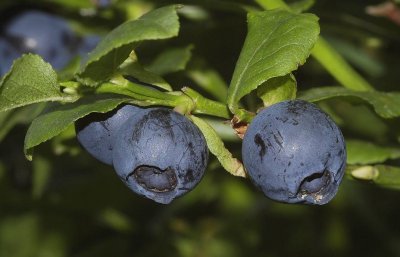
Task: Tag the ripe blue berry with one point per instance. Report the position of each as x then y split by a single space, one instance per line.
95 132
295 153
44 34
160 154
87 44
7 55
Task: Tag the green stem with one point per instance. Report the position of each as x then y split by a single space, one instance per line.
134 93
149 92
337 66
70 84
244 115
139 89
207 106
188 101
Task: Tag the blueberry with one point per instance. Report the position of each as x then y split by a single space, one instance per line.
7 55
295 153
103 3
95 131
160 154
44 34
88 44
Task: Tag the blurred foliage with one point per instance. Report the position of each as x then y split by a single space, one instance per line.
65 203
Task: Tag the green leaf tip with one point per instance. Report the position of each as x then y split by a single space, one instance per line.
30 80
132 67
385 104
364 152
171 60
381 175
115 48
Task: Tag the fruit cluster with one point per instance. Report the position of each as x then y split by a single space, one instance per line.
45 34
292 151
158 153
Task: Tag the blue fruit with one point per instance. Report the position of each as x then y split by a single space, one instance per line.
295 153
87 44
44 34
103 3
95 131
7 55
160 154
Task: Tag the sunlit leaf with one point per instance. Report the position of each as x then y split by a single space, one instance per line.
30 80
278 89
211 81
362 152
171 60
327 56
115 48
382 175
301 5
387 105
133 68
334 63
277 43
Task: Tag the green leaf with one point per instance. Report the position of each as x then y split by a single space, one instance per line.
277 90
115 48
223 129
362 172
57 119
353 118
211 81
171 60
328 57
388 176
387 105
272 4
358 57
382 175
30 80
361 152
217 148
334 63
301 5
277 43
133 68
22 115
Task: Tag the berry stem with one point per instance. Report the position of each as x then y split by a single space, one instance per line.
187 100
134 93
207 106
